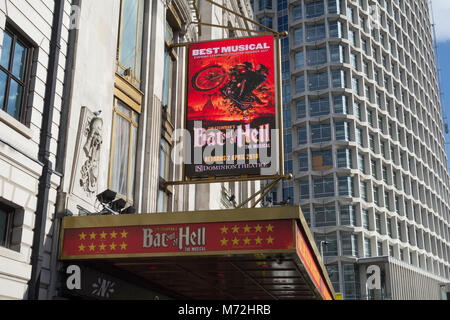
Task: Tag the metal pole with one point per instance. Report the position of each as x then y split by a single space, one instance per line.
321 247
280 104
252 197
236 179
243 17
264 191
232 28
270 187
39 232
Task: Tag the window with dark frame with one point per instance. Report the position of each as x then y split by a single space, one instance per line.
15 69
6 224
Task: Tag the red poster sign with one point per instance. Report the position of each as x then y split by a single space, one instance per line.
179 238
231 106
311 267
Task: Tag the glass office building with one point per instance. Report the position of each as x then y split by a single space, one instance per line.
364 140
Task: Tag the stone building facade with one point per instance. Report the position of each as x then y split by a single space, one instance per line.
116 97
34 38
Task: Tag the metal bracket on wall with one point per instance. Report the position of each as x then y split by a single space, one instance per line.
199 23
245 18
214 179
244 178
265 190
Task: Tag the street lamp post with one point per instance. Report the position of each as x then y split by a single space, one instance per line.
323 242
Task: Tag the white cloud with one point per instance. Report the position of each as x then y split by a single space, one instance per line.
441 10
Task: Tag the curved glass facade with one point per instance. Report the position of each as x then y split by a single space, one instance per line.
367 145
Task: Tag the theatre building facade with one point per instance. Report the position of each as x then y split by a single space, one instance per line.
34 40
118 97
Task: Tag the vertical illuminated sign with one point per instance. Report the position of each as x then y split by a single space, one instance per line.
231 108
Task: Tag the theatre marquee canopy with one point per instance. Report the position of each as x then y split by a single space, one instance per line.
264 253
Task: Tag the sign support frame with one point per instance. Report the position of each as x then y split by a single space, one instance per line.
245 178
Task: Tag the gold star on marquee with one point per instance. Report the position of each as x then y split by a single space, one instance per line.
95 242
247 235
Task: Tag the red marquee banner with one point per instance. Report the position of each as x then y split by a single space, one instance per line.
308 261
128 241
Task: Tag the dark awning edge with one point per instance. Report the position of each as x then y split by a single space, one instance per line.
244 233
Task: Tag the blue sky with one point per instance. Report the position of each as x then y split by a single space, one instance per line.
444 58
441 10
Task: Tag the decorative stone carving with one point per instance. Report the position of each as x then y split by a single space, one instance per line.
91 149
85 169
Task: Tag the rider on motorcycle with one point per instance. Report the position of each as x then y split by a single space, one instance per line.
243 80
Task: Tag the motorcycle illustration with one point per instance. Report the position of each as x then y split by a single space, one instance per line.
237 85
